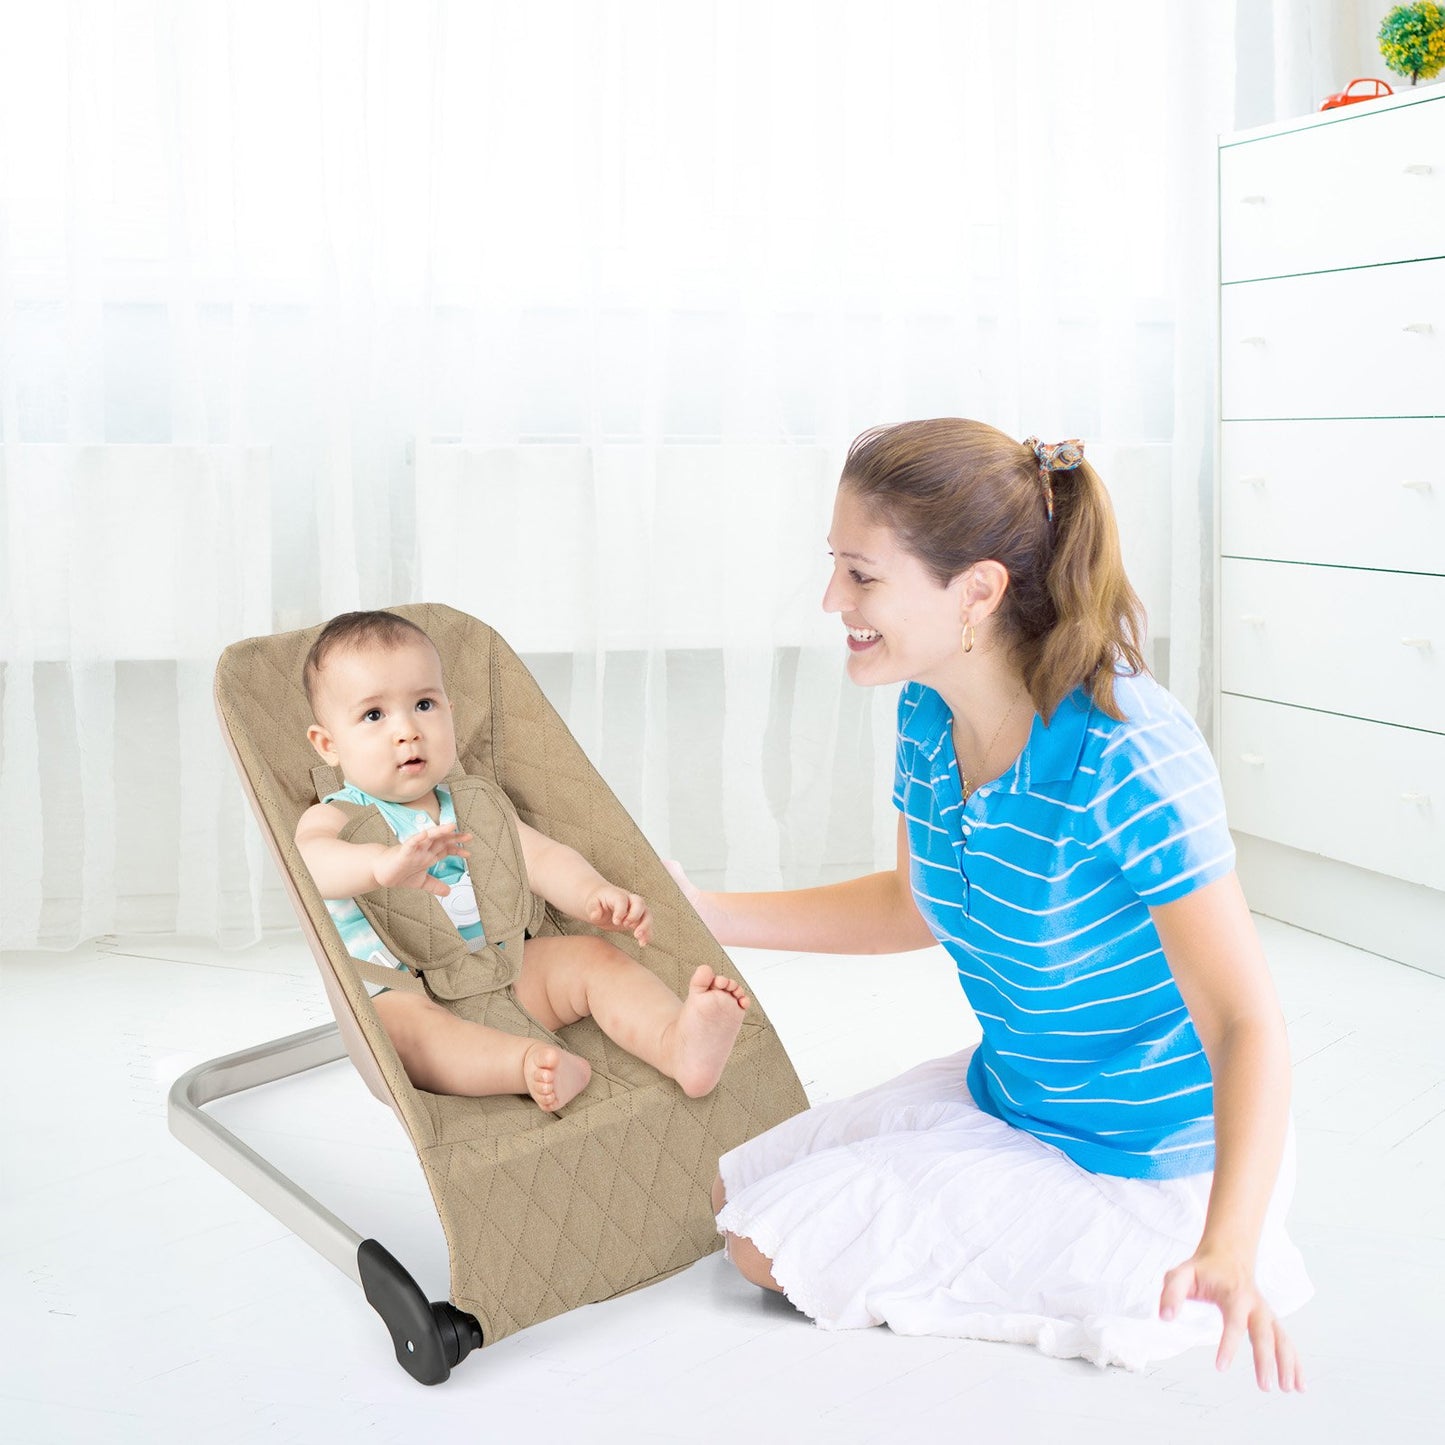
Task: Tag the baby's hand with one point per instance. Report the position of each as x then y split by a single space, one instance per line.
405 865
621 911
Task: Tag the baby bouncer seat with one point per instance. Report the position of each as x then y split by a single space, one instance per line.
541 1212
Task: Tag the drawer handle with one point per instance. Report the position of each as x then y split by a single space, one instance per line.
1259 340
1420 486
1252 760
1418 170
1252 619
1420 328
1423 643
1420 800
1253 200
1258 481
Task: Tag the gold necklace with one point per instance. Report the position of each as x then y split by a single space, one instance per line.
983 761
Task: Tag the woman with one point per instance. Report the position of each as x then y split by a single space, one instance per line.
1062 834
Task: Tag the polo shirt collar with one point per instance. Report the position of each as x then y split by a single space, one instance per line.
929 721
1051 754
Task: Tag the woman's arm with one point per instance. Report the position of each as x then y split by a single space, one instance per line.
1215 956
874 914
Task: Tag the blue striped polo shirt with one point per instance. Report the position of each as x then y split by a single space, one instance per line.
1040 888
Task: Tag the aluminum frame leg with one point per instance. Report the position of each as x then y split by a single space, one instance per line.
277 1193
429 1338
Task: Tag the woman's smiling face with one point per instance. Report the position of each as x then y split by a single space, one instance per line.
902 626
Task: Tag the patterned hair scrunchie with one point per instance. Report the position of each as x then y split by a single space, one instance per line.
1063 456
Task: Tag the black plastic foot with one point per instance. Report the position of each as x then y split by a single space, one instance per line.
429 1338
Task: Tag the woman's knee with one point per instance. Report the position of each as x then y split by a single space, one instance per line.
746 1257
751 1262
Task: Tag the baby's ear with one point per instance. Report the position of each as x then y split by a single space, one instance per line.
320 739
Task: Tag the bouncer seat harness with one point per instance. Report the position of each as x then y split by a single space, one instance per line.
416 926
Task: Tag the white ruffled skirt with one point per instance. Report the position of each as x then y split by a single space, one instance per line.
907 1205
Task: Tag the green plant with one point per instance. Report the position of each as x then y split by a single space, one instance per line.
1412 40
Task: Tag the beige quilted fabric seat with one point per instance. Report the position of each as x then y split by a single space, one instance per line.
541 1213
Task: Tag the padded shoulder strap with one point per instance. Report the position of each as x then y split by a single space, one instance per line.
499 873
413 923
326 779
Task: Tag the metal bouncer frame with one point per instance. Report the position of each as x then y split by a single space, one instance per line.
429 1336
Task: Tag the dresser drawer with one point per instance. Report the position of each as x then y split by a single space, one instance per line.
1351 191
1351 493
1346 344
1360 792
1371 644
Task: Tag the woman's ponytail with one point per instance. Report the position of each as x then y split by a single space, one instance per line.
1099 619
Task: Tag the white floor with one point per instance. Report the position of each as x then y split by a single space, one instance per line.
146 1299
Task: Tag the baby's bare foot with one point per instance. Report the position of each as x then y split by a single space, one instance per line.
553 1076
703 1034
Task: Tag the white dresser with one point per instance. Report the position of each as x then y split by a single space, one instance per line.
1331 590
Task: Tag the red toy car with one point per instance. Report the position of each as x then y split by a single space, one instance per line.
1370 90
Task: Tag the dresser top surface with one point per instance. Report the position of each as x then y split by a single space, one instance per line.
1342 115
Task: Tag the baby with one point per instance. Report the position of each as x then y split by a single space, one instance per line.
374 681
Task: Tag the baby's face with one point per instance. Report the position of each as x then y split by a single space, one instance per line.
383 717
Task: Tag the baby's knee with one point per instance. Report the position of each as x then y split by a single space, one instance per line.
594 957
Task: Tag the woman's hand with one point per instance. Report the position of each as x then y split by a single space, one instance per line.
406 864
619 910
694 895
690 890
1225 1281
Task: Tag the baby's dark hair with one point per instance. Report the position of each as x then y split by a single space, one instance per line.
355 629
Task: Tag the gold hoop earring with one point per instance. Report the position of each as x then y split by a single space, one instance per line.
968 637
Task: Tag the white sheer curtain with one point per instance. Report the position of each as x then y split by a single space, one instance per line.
562 313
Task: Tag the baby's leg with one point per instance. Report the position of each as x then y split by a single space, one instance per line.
564 979
444 1054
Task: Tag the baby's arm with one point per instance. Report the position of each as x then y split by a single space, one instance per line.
342 870
569 882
